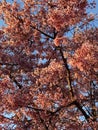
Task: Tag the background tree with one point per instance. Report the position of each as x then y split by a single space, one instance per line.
48 65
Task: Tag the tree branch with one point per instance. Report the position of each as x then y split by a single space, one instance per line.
42 121
42 32
6 63
68 74
15 81
78 105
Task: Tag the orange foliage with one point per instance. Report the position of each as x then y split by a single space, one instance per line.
48 65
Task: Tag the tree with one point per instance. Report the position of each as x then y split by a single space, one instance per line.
48 65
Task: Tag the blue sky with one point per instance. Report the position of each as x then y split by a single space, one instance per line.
95 10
